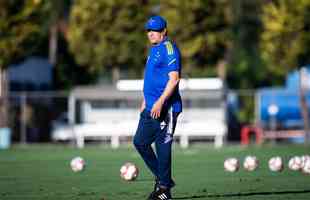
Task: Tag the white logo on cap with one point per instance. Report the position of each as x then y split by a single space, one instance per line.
151 21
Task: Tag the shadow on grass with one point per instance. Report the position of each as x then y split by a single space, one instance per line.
245 194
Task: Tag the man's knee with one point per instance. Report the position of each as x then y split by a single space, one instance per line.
137 142
140 144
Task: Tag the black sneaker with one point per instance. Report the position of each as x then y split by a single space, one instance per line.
162 194
156 187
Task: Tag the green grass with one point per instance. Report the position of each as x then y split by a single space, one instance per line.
43 172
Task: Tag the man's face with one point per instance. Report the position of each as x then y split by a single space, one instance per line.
156 37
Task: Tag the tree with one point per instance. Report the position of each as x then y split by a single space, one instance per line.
202 29
20 28
285 39
56 22
108 35
246 69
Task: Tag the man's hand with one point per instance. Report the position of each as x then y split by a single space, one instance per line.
156 109
172 83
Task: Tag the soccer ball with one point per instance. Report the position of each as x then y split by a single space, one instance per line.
250 163
77 164
231 164
295 163
275 164
304 158
129 171
306 167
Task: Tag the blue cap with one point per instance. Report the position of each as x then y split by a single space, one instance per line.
155 23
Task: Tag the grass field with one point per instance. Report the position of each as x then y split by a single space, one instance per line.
43 172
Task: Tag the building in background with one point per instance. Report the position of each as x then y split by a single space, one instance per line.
30 114
34 74
112 112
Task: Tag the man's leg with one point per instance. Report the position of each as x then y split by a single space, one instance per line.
144 137
163 149
163 143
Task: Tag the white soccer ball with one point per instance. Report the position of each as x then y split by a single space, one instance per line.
77 164
306 167
304 158
250 163
295 163
231 164
129 171
275 164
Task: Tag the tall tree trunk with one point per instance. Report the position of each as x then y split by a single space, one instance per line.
115 74
222 63
3 98
222 66
53 38
303 102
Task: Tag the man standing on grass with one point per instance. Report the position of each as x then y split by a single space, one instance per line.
160 107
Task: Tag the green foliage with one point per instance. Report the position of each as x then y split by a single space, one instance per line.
247 105
67 72
265 39
20 27
201 29
108 33
246 68
285 39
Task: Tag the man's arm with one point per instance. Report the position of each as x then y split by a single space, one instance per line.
174 79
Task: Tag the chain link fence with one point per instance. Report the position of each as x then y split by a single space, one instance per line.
32 115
